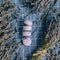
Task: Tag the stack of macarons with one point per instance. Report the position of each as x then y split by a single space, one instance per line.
27 32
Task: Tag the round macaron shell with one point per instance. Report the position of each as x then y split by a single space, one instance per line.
28 22
27 42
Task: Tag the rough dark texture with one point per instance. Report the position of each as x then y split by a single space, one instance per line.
12 15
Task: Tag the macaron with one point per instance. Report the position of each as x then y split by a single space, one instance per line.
27 42
26 33
27 28
28 22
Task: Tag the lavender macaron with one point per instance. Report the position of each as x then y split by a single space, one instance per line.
27 42
27 28
28 22
27 32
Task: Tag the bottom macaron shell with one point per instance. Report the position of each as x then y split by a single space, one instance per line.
27 42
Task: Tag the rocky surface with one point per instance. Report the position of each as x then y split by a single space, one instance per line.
12 14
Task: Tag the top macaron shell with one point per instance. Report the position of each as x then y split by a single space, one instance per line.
28 22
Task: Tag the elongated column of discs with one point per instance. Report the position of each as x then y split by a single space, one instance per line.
27 32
